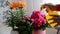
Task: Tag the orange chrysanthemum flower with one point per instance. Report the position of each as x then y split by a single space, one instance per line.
14 5
22 4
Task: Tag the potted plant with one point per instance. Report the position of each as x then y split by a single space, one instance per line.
39 24
18 19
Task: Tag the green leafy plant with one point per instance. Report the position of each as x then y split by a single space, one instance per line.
18 19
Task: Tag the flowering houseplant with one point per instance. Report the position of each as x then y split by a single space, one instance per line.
39 22
17 18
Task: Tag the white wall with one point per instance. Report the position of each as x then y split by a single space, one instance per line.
29 8
52 1
32 5
36 4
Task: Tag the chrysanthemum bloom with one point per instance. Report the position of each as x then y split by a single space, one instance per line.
22 4
14 5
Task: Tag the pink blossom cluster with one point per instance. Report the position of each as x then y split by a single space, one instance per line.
38 18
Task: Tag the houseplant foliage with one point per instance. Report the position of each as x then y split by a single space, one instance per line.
18 19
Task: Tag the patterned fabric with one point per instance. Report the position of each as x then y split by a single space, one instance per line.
49 17
50 12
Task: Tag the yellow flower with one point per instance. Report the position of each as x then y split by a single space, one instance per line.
14 5
22 4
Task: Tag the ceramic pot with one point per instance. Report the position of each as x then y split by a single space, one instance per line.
39 32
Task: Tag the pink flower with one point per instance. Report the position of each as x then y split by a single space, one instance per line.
44 21
37 23
38 18
35 14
